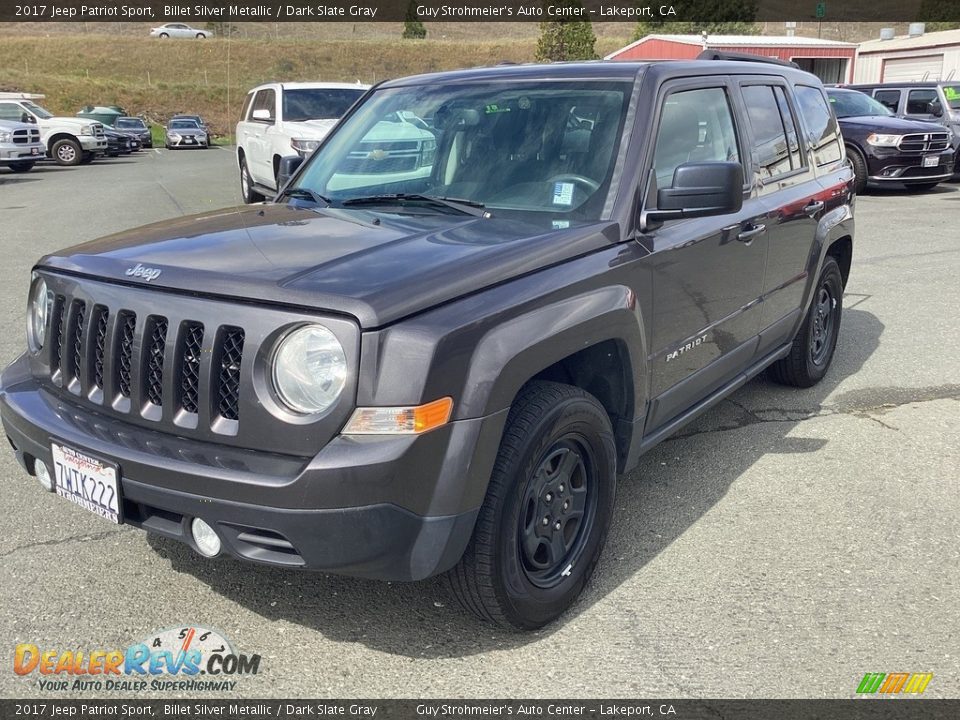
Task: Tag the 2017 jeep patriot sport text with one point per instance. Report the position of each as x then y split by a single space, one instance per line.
397 375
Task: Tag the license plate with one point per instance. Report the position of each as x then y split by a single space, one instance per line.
86 481
932 161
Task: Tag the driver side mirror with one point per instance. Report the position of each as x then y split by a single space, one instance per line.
699 190
288 167
935 108
261 114
28 118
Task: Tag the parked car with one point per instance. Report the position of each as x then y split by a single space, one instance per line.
447 372
936 101
20 146
120 143
137 127
69 141
280 119
180 30
181 133
887 149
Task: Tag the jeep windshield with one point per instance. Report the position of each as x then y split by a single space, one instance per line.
530 150
318 104
852 103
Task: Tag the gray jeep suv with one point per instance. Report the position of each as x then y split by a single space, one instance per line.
443 367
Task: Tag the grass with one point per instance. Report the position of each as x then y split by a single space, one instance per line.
158 78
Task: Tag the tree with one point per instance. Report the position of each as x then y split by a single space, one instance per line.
738 18
567 39
222 29
939 15
412 27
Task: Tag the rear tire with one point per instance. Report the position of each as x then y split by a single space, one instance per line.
22 167
246 185
813 347
66 152
547 511
860 172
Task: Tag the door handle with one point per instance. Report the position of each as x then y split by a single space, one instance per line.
813 207
748 234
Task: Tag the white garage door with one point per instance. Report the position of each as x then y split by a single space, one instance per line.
927 67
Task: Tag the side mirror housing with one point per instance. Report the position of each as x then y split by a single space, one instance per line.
288 166
261 114
935 109
699 190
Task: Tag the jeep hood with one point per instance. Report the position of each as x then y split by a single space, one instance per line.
330 260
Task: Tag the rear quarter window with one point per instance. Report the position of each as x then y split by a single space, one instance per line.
821 126
246 106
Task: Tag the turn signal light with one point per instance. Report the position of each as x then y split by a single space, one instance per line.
400 420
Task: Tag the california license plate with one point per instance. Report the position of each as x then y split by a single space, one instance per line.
931 161
86 481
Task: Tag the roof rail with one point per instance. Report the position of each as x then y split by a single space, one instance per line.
744 57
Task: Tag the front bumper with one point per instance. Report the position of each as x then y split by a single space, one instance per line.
892 166
22 152
341 511
92 143
184 142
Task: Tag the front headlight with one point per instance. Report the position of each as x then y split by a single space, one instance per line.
309 369
884 140
6 137
37 313
304 146
86 130
173 136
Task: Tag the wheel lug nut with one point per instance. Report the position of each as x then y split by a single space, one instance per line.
556 526
549 497
546 521
560 488
566 504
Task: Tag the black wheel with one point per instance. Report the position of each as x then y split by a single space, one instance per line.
923 187
201 36
813 347
546 513
859 170
66 152
22 167
87 158
164 35
246 185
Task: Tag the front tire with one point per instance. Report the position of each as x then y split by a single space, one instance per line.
860 172
547 510
66 152
22 167
246 185
814 345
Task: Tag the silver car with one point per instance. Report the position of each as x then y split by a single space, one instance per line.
185 133
179 30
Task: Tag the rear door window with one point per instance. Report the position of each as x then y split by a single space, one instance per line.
890 99
821 125
774 152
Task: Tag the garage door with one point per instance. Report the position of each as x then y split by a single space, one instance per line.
927 67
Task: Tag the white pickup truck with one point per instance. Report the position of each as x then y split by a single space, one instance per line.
68 140
282 119
20 146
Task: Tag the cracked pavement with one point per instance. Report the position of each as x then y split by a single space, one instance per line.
783 545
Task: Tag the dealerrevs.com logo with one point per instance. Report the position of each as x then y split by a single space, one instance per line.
186 658
894 683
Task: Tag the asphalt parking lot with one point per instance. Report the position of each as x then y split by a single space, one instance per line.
784 545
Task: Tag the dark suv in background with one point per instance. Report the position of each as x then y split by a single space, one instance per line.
887 149
937 101
445 368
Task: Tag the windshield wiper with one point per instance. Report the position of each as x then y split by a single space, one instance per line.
303 193
467 207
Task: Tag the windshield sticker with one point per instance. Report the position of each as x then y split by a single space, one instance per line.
493 108
952 93
563 193
561 224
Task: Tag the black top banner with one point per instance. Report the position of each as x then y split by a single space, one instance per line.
480 10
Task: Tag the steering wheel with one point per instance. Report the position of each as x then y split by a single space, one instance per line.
589 184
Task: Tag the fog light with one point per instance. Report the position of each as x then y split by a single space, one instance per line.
205 537
43 475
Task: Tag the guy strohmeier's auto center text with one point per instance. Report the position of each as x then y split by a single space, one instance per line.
72 10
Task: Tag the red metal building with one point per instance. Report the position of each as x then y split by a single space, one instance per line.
830 60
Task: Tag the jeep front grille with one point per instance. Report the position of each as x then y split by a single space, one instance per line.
191 347
924 142
100 345
231 354
76 333
157 345
127 322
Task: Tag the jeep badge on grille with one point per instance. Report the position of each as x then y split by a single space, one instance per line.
146 273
